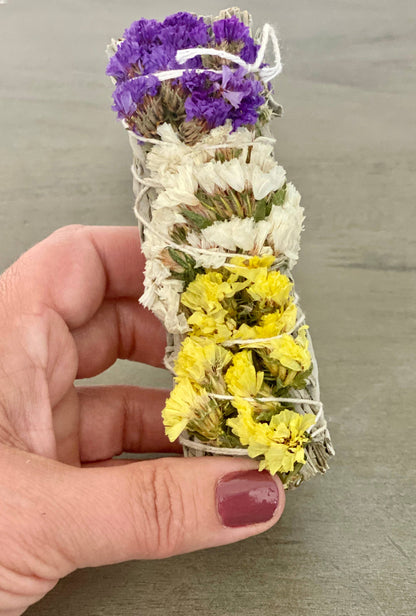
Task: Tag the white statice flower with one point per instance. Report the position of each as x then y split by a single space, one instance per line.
236 233
153 244
265 182
155 275
218 135
262 174
224 135
286 225
168 156
232 174
207 176
162 295
168 307
179 188
211 260
262 155
164 219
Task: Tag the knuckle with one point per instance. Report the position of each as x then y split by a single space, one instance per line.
69 230
164 512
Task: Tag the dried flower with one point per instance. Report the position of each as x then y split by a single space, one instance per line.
189 406
280 442
202 361
242 378
232 30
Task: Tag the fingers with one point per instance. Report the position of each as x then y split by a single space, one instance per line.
119 329
150 509
121 418
72 270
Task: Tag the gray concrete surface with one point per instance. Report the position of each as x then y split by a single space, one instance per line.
345 545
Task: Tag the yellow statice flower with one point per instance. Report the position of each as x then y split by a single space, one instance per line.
199 359
250 267
281 441
241 377
270 325
189 406
208 290
212 326
180 408
272 288
292 354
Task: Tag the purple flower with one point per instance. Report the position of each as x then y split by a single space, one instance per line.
233 30
214 111
145 32
127 55
150 46
217 97
129 95
184 30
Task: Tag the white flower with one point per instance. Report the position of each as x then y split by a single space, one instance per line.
236 233
180 187
155 275
232 173
263 183
165 218
208 178
162 295
285 226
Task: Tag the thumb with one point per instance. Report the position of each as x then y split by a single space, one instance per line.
149 509
159 508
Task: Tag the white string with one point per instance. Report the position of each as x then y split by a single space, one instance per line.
268 399
266 73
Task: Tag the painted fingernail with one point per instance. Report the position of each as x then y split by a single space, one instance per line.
246 497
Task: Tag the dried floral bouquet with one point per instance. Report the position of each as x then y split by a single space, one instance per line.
220 228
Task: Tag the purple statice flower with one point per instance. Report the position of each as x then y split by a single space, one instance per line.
213 110
128 54
233 30
129 95
145 32
185 30
150 46
132 59
217 97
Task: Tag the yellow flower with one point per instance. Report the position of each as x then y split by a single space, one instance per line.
281 441
212 326
291 353
203 293
200 358
250 267
241 377
189 406
180 408
270 325
274 287
207 292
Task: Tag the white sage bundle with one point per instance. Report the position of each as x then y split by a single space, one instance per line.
220 228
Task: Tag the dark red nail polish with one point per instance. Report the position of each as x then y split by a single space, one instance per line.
246 497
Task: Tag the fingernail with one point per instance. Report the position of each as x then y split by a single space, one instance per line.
246 497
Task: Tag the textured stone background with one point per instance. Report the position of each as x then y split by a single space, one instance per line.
345 544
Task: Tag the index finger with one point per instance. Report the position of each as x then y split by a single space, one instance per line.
75 268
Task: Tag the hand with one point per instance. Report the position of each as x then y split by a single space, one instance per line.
68 310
